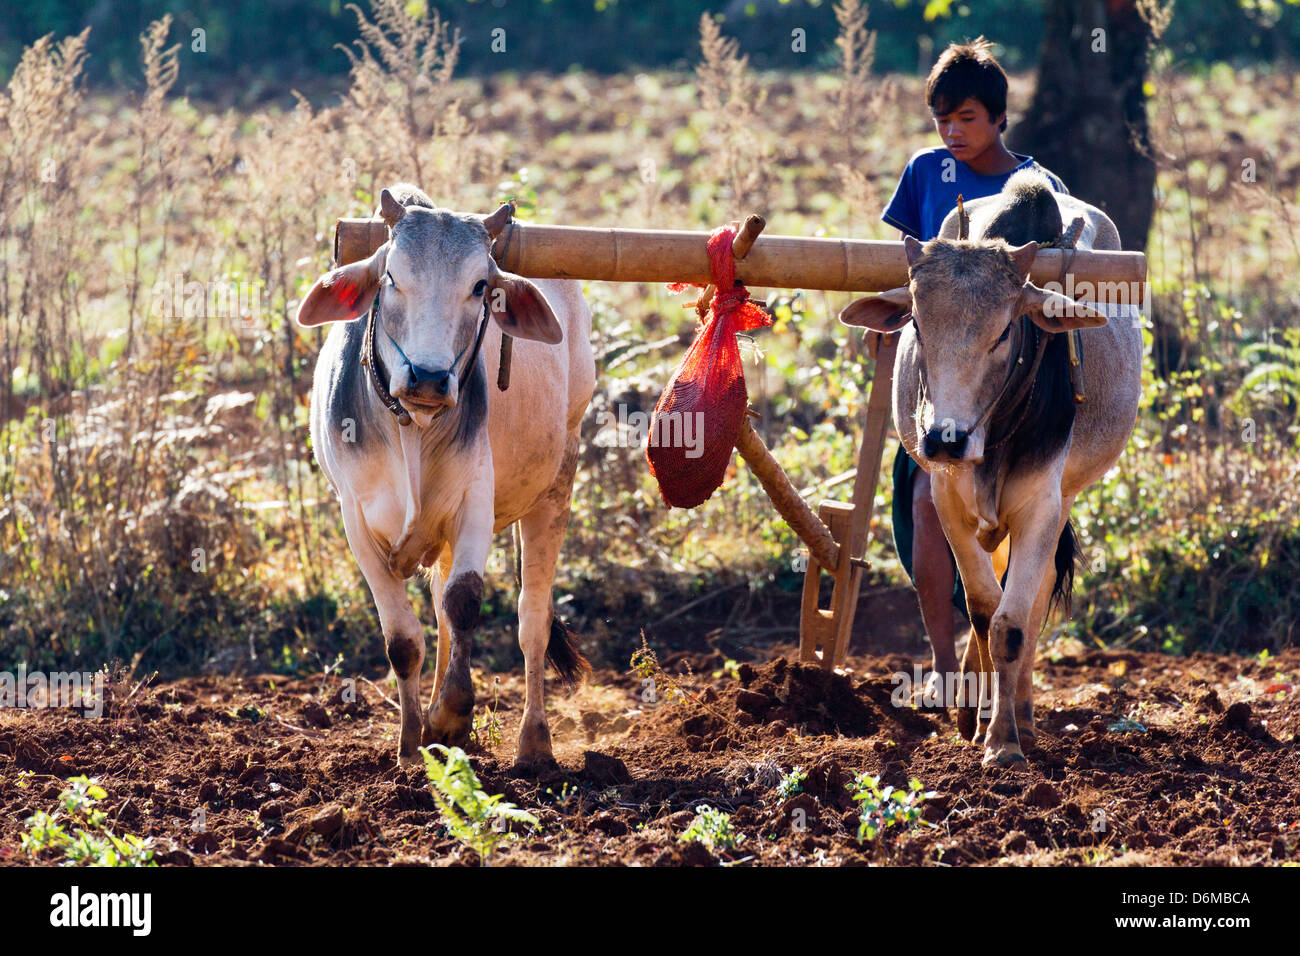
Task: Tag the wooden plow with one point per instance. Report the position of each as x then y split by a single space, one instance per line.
836 533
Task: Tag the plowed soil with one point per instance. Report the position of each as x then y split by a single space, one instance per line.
1140 759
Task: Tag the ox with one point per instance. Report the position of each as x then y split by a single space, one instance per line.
428 462
982 401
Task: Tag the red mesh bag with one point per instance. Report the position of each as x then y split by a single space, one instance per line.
698 419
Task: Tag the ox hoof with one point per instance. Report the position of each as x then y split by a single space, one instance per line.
534 765
449 733
1005 755
410 760
447 728
534 753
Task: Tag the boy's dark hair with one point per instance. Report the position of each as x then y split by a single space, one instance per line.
966 70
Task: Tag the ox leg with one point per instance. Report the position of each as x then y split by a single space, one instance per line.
451 714
439 575
1037 620
403 633
982 596
1034 531
541 534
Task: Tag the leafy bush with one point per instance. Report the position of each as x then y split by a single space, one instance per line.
712 828
79 832
882 809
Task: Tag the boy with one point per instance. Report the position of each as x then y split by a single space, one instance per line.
967 96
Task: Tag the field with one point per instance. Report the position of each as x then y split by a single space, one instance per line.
1141 760
162 521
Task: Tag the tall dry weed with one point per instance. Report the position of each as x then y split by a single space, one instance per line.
857 111
402 120
733 104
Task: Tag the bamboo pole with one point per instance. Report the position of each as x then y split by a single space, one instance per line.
778 262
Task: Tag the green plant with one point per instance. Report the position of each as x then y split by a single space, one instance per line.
79 831
487 728
712 828
472 816
729 667
791 783
882 809
565 794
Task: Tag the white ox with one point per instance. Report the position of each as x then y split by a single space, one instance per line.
992 418
470 461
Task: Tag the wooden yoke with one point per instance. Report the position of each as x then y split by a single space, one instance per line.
836 535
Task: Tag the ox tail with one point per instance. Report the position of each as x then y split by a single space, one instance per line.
1066 550
563 655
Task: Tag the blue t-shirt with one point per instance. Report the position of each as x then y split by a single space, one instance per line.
927 191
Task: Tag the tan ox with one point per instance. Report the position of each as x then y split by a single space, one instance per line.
429 463
982 401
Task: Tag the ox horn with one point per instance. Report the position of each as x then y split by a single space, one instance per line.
499 219
390 209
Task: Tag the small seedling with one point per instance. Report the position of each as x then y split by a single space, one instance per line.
886 808
791 784
730 668
487 728
566 793
472 816
712 828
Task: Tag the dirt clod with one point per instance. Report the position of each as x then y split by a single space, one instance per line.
603 769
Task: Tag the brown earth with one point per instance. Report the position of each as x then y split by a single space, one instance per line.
264 769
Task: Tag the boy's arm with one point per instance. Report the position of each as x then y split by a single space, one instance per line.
903 210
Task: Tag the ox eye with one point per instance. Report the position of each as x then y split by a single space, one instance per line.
480 287
391 281
1002 338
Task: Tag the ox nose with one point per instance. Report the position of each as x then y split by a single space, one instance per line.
427 386
941 444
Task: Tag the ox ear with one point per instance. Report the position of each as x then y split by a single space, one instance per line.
520 309
343 293
1054 312
886 312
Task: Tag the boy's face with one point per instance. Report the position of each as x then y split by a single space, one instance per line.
968 130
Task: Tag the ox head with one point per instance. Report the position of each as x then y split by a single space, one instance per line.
964 298
433 278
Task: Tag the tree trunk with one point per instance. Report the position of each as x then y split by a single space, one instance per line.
1087 122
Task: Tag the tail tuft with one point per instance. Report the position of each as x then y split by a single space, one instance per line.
563 655
1066 550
